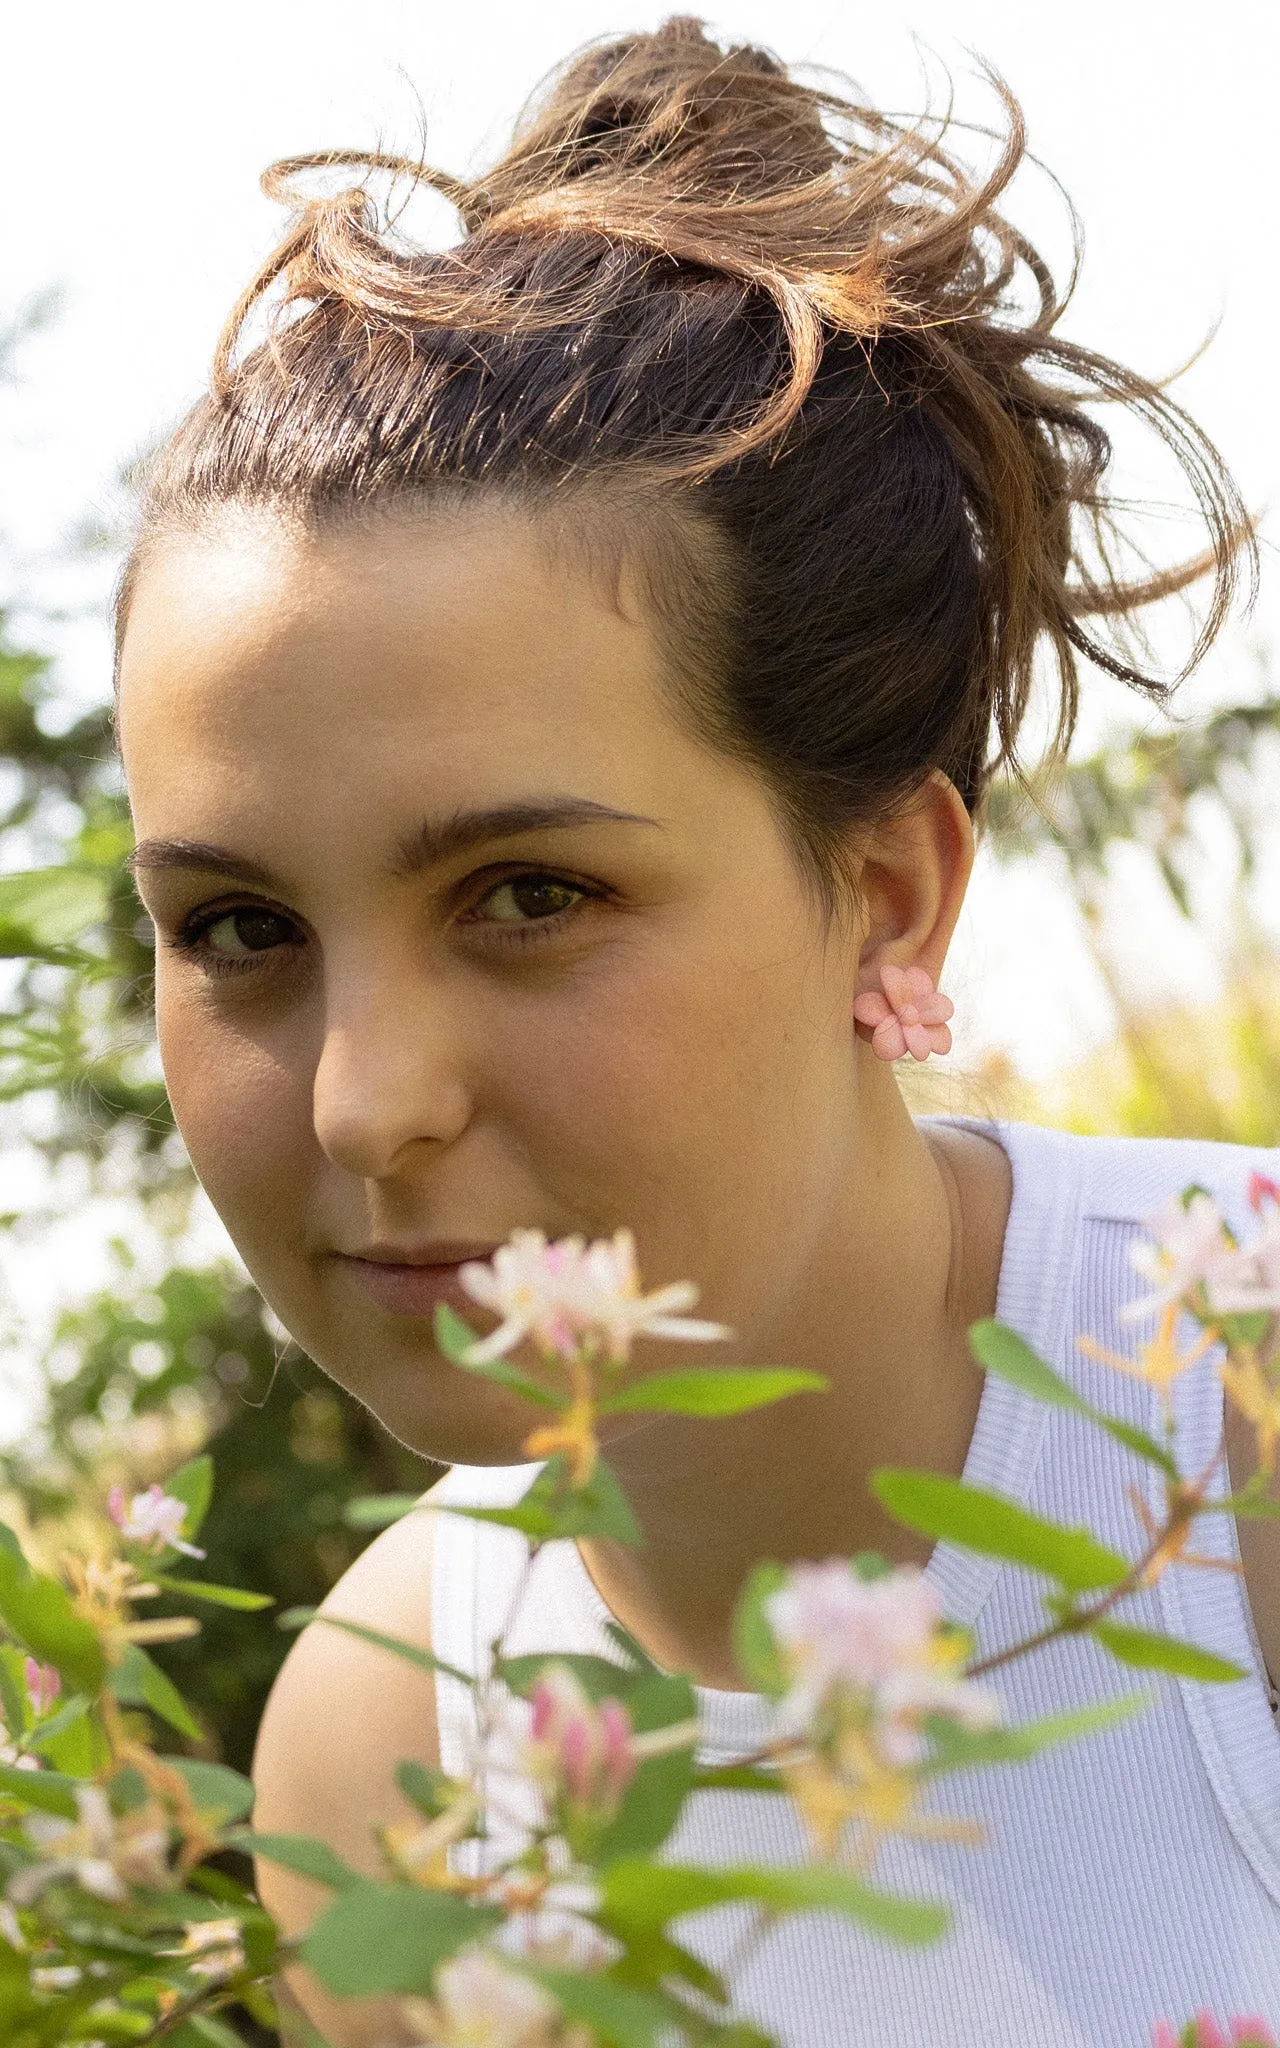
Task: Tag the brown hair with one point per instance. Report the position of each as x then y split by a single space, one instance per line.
788 333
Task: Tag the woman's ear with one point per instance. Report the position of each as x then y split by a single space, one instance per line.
915 869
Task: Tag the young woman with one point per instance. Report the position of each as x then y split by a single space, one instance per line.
558 677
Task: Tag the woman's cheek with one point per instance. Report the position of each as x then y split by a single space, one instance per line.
243 1114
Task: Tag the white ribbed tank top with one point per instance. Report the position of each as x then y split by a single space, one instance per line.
1127 1876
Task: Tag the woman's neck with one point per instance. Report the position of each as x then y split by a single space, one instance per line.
883 1313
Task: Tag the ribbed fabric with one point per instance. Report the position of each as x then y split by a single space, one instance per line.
1127 1876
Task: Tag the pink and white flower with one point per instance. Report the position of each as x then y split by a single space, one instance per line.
880 1641
153 1519
1187 1246
43 1684
582 1752
480 2002
569 1294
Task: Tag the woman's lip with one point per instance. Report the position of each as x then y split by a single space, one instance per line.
408 1288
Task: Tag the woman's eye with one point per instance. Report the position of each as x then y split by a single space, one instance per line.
527 898
242 932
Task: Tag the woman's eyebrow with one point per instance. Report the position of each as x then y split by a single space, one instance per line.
435 840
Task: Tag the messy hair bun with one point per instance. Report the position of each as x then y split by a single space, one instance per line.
797 344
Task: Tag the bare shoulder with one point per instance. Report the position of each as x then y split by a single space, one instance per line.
341 1715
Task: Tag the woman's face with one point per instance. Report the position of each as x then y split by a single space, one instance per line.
460 929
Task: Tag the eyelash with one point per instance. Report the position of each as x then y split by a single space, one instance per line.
191 934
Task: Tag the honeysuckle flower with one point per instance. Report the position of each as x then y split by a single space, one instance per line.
10 1928
1204 2032
1187 1246
869 1662
213 1949
548 1919
481 2002
43 1684
152 1519
569 1294
911 1016
102 1852
880 1645
1251 1280
582 1751
1161 1361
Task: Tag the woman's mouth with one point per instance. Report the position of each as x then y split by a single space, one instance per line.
411 1282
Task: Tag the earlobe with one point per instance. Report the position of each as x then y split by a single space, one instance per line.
914 878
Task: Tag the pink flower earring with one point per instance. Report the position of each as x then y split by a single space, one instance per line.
911 1016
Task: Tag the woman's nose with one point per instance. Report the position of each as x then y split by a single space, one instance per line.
389 1077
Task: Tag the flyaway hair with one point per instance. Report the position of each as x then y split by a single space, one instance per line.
796 350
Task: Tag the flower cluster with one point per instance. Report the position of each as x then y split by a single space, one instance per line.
153 1520
1193 1261
482 2002
570 1296
102 1852
870 1661
582 1752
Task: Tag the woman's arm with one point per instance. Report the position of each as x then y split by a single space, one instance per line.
341 1715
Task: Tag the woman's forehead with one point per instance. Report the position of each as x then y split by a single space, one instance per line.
397 668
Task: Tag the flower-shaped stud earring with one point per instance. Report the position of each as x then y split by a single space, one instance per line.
911 1016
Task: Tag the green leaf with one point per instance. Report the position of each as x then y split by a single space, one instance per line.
599 1677
204 2030
455 1339
192 1484
376 1937
301 1854
1244 1505
302 1617
958 1749
139 1682
710 1391
55 1725
38 1611
218 1596
552 1510
44 910
1003 1352
1148 1651
644 1896
48 1790
219 1792
379 1510
15 1707
430 1791
952 1512
737 1778
619 2015
754 1647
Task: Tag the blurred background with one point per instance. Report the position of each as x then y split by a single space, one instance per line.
1119 965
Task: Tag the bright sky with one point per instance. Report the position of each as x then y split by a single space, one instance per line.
132 140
